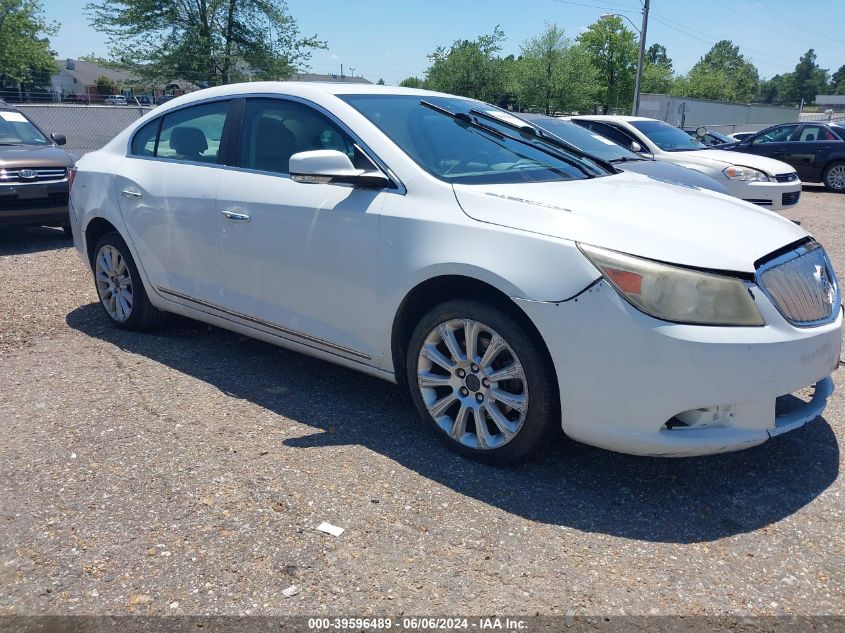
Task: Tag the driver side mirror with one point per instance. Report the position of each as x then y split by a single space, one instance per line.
329 166
636 147
58 139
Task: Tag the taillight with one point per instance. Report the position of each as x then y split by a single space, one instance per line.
70 176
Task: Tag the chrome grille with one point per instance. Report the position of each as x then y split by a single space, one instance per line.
802 285
42 174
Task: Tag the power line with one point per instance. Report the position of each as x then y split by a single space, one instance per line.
595 6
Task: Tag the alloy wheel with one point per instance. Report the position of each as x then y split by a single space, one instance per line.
473 384
836 177
114 283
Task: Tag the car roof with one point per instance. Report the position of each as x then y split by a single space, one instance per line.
614 117
303 89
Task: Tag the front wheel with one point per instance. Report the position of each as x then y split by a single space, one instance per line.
122 294
834 177
481 382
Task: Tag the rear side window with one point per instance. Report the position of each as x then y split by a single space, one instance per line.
193 134
144 142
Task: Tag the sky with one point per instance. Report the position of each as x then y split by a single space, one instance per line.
390 39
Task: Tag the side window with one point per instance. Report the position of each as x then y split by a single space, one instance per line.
276 129
815 133
144 141
193 134
613 133
778 134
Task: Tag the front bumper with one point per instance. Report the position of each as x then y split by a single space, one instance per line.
772 195
36 203
623 375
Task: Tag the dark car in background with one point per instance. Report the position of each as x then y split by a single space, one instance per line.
815 149
621 157
34 173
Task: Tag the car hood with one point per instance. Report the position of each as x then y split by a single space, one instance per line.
722 158
34 156
674 174
634 214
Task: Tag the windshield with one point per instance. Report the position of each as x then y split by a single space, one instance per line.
457 152
582 138
666 137
15 129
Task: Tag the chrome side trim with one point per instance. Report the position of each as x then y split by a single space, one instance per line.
267 324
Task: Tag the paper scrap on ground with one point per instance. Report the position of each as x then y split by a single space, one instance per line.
328 528
290 591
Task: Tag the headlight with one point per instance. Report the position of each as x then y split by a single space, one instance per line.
676 294
738 172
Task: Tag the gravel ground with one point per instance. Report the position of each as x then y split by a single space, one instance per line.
186 471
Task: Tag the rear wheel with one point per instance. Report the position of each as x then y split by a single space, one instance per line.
834 177
480 382
122 294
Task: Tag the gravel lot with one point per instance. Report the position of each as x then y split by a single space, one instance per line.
186 471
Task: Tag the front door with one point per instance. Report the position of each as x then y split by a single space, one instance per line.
300 260
167 189
771 143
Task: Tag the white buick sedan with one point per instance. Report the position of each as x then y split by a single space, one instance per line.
757 179
515 285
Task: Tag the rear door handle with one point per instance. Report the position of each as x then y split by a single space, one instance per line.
128 193
236 214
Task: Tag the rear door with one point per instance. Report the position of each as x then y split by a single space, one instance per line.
167 188
809 150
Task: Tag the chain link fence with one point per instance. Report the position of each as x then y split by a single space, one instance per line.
87 128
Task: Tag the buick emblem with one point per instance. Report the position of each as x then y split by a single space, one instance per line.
27 174
825 284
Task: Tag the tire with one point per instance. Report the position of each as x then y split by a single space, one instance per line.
516 413
128 308
833 177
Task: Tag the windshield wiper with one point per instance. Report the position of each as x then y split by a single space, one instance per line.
543 135
626 159
466 119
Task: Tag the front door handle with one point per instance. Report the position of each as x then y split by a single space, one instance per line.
128 193
236 214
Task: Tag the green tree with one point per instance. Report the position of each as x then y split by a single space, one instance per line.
837 82
656 54
540 68
469 68
25 56
553 75
105 86
722 74
612 49
657 79
380 82
412 82
808 80
658 76
213 41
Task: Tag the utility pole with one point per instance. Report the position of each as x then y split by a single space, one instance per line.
636 109
341 72
352 70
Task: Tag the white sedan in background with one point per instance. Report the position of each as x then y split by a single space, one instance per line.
762 181
514 285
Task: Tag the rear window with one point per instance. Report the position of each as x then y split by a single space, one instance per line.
191 134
